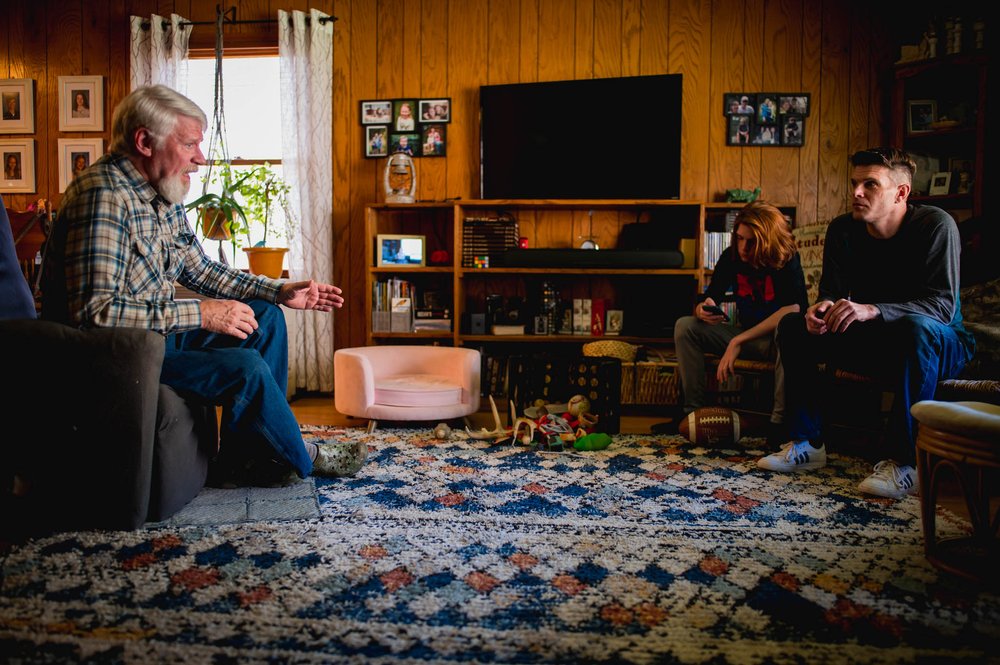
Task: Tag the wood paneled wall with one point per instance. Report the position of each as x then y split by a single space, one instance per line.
834 50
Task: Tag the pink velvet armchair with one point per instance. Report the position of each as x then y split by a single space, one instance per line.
406 383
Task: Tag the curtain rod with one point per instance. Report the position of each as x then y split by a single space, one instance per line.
322 19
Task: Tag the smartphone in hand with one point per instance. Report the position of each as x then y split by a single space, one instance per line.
715 309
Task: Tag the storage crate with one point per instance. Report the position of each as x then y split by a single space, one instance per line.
650 381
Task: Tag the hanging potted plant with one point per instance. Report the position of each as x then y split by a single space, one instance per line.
264 193
220 213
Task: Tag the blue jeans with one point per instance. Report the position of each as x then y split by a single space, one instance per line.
910 355
248 378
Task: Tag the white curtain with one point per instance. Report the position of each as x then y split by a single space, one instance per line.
159 52
305 51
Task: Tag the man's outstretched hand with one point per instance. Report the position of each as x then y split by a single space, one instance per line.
310 295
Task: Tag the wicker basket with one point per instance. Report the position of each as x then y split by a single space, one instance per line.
651 381
611 347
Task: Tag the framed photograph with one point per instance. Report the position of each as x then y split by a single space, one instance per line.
963 172
18 165
408 143
376 112
17 96
920 113
541 325
74 156
614 324
940 183
377 141
793 129
794 103
81 103
741 129
765 135
400 251
404 115
435 110
432 140
740 103
767 108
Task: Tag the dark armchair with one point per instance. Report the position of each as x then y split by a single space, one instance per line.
91 438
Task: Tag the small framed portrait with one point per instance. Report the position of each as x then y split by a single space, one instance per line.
740 103
793 129
741 129
765 135
75 155
432 140
17 96
376 112
18 165
767 108
920 113
435 110
963 173
940 183
400 250
81 103
377 141
794 103
614 324
408 143
404 115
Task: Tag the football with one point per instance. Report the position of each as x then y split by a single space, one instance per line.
711 425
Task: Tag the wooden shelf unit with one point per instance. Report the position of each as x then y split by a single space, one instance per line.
651 298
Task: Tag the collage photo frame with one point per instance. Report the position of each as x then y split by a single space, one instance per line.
766 119
415 126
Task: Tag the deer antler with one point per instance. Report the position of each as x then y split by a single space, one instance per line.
499 431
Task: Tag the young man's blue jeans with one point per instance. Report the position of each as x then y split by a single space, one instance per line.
248 378
909 355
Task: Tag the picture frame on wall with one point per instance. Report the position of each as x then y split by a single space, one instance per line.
17 101
18 158
435 110
793 129
432 140
793 103
81 103
740 103
376 112
74 156
767 108
408 143
404 115
920 113
376 141
740 130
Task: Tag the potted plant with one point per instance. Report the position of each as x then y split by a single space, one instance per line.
220 214
263 192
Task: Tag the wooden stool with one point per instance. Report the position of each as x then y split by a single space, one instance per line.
965 437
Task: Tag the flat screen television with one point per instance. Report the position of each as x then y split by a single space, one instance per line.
610 138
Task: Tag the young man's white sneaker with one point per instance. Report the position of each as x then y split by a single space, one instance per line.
795 456
890 480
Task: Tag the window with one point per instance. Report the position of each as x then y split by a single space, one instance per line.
253 124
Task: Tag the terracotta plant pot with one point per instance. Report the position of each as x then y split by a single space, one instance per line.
266 260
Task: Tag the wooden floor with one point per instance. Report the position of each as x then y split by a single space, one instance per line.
320 410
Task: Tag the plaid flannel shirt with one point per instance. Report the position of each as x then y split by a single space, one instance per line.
117 249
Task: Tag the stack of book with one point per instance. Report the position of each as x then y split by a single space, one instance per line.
427 318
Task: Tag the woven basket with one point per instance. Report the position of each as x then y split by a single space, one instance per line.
651 381
611 347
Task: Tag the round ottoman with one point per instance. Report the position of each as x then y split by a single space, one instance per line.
962 438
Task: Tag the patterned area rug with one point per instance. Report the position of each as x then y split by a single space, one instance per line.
652 551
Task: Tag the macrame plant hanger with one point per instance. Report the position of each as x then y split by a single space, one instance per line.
217 145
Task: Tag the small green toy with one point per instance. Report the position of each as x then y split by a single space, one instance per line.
742 195
595 441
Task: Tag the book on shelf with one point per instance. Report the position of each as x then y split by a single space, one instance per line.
581 316
507 329
432 313
424 325
598 306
